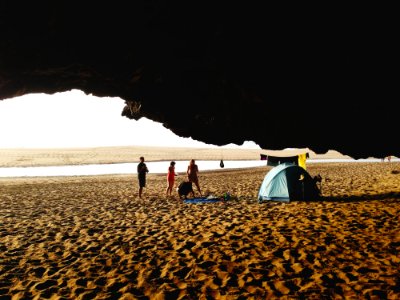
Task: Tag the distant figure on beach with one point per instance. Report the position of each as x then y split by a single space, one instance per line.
142 171
192 172
171 178
389 158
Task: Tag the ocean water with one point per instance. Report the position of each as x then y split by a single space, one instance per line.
159 167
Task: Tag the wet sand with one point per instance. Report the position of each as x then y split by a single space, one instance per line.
91 237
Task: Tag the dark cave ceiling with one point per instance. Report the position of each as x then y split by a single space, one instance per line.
226 73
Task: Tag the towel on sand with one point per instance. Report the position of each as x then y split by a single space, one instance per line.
203 200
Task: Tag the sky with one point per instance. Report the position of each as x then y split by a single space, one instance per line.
73 120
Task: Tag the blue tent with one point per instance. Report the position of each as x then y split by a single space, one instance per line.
286 182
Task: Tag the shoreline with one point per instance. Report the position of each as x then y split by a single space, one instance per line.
155 167
106 155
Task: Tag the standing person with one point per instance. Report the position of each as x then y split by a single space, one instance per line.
192 172
142 171
171 177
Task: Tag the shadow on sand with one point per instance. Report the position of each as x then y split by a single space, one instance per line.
364 197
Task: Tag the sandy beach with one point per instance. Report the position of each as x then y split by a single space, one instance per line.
91 237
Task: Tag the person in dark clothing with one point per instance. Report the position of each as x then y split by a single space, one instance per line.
142 171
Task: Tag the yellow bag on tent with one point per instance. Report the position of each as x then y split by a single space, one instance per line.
302 160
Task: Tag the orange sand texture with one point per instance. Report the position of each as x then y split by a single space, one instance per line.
91 237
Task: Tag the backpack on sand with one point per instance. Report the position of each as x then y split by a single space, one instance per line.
184 188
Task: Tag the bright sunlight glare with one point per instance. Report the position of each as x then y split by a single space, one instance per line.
76 120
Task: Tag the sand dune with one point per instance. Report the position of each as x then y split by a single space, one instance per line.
93 238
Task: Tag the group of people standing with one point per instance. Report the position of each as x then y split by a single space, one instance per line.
192 175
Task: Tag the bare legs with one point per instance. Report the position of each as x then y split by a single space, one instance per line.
140 192
198 188
169 188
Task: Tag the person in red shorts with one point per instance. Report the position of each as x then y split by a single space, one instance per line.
171 178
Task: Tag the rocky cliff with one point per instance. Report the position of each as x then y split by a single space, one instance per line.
315 77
